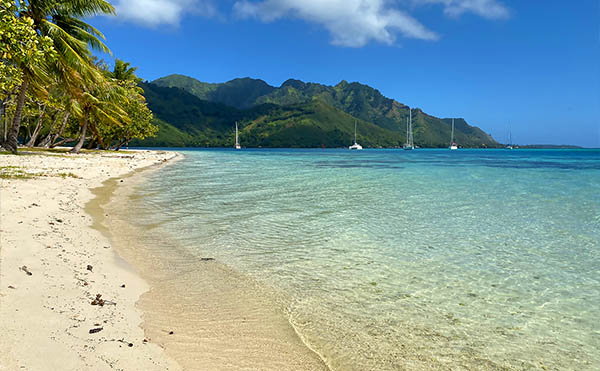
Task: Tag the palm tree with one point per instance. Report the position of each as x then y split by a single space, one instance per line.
72 39
124 72
101 105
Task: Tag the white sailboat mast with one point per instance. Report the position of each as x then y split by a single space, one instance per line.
237 142
452 136
354 132
411 140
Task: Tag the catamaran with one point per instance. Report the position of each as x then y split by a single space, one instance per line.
237 142
355 146
410 144
453 145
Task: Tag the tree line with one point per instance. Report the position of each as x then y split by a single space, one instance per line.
53 90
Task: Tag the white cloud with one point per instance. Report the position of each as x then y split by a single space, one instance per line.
350 22
161 12
357 22
491 9
353 23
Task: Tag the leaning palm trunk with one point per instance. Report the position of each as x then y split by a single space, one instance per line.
2 121
121 144
45 143
93 143
12 140
36 131
79 144
51 138
62 141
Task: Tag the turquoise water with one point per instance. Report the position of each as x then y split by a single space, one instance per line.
391 259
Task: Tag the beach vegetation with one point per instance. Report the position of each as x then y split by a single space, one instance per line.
53 91
68 175
14 172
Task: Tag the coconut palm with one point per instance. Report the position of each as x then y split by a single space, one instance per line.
124 72
60 20
101 105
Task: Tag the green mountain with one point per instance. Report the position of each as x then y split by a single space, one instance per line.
239 93
186 120
296 114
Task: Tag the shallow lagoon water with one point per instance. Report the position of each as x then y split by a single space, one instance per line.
391 259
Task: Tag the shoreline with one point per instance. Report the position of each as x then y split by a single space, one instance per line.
75 253
53 264
219 318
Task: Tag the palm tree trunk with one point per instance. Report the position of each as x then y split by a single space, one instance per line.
121 144
55 137
97 137
38 127
2 122
93 142
11 142
64 140
79 144
45 143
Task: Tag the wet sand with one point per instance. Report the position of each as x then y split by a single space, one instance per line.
53 264
206 315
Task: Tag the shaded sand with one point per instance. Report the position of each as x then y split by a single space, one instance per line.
219 318
45 317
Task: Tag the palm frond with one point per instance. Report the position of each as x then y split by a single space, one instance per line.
82 31
84 8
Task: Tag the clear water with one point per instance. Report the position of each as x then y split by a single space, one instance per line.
391 259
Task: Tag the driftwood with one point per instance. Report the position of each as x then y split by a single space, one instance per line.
101 302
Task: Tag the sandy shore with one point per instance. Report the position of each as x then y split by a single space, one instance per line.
61 245
53 264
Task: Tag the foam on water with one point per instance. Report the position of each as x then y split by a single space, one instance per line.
404 259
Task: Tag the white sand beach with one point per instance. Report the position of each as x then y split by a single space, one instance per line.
53 264
70 300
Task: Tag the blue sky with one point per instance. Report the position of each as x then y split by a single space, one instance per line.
530 65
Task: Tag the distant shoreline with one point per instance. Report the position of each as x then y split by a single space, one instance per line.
517 147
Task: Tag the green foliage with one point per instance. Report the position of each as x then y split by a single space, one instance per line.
297 114
139 125
186 120
361 102
47 44
13 172
22 49
124 72
168 136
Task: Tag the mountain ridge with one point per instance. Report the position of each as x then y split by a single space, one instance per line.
360 101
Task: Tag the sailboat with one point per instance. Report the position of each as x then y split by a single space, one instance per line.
453 145
237 142
509 144
355 146
409 145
